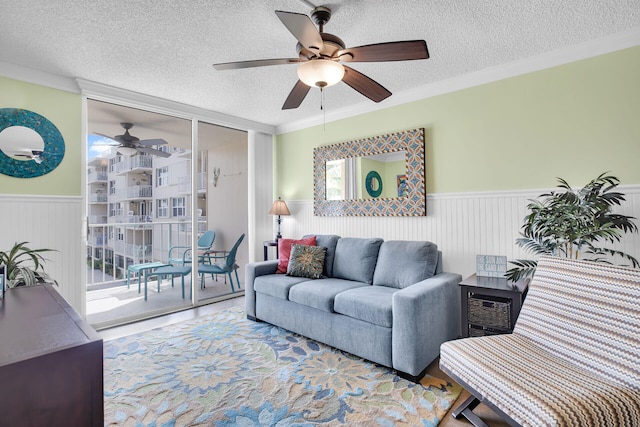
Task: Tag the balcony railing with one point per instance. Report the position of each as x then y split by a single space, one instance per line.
98 198
132 250
135 192
109 259
98 240
135 162
96 177
97 219
133 220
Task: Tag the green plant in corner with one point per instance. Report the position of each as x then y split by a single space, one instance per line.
25 266
574 224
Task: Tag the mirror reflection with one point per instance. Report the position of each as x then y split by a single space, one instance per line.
21 143
382 175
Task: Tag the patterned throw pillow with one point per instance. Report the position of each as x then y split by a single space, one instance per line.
306 261
284 251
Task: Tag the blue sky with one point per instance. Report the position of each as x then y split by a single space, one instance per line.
95 145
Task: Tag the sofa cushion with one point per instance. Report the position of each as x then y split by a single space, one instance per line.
276 285
284 251
403 263
356 259
328 241
372 304
306 261
320 293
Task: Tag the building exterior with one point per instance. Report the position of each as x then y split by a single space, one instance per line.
138 208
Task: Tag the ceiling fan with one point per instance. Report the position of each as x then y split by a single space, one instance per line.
30 155
321 56
128 144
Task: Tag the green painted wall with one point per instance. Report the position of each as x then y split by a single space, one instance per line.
572 121
64 110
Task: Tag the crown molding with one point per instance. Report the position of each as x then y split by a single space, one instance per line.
592 48
29 75
129 98
102 92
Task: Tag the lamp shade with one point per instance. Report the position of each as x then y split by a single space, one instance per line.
279 207
320 72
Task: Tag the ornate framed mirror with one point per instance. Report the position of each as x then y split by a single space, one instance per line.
377 176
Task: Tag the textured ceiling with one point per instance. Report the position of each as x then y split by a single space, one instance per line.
166 49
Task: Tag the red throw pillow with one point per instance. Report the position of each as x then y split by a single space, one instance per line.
284 251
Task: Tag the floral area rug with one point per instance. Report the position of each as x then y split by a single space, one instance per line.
224 370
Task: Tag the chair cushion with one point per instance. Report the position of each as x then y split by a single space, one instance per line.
284 251
320 293
372 304
535 387
276 285
587 313
356 259
403 263
306 261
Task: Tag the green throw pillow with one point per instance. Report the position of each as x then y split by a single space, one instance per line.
306 261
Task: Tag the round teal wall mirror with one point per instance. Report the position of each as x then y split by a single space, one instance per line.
373 183
25 157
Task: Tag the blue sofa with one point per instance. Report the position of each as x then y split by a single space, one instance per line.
388 302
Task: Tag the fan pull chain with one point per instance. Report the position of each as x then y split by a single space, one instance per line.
324 112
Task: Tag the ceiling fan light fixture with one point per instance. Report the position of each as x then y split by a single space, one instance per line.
127 151
320 72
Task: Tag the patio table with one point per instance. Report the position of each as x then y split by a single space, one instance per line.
140 270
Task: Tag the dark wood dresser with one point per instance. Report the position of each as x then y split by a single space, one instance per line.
50 362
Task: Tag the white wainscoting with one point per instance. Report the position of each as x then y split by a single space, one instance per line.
463 225
54 223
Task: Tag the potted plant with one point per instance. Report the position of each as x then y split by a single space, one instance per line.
24 266
574 224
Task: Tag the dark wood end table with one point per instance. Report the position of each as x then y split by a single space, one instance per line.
267 244
490 305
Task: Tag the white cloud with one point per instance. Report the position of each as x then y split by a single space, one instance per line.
99 145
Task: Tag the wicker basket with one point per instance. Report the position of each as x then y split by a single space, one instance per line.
489 311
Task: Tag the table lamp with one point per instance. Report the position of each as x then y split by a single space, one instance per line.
279 208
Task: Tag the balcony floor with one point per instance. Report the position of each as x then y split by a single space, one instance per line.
116 304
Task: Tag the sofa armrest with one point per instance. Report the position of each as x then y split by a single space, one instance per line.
425 315
253 270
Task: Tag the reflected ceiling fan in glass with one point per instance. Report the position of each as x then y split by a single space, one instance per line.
129 145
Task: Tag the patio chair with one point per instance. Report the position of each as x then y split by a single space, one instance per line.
182 254
227 267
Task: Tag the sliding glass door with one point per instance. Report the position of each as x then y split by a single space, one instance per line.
152 190
139 206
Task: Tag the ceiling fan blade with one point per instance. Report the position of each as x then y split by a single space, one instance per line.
105 136
296 96
153 151
366 86
302 28
256 63
152 142
383 52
